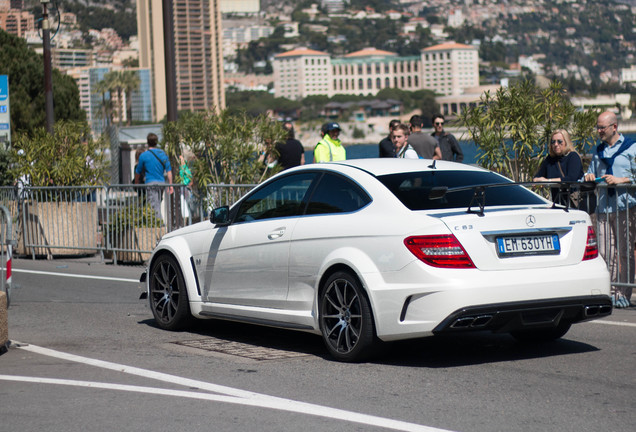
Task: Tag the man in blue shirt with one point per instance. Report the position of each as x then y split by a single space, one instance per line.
614 164
152 165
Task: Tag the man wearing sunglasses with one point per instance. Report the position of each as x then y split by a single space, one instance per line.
451 151
613 164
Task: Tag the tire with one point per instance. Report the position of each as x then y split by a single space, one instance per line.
541 335
168 295
346 322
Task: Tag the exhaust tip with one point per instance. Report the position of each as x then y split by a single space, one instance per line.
472 322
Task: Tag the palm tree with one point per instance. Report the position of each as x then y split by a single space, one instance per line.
130 82
101 88
116 85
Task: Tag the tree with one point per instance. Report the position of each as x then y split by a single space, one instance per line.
512 128
103 88
226 146
25 69
130 81
68 157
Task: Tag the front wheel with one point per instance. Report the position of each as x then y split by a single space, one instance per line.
168 295
346 322
541 335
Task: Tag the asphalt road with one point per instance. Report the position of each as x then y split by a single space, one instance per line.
86 356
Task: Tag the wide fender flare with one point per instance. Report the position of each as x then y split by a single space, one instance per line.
179 248
357 260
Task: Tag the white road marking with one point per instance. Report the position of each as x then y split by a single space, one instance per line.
616 323
225 394
108 278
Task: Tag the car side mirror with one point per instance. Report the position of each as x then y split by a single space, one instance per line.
220 216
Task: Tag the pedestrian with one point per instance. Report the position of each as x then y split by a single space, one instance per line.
153 165
330 147
613 164
387 150
141 191
424 144
448 144
563 163
290 153
399 137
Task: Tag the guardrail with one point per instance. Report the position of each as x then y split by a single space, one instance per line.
118 220
6 251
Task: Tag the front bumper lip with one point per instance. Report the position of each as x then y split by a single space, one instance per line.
507 317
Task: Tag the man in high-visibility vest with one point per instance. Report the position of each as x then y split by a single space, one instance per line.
330 148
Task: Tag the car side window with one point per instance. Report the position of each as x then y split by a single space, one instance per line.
336 194
281 198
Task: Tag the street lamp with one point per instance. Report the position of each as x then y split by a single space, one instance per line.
48 77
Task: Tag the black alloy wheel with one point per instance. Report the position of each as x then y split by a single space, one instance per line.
168 295
346 321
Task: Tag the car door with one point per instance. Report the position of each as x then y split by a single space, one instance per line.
331 221
248 260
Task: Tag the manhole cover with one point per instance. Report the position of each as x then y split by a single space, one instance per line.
240 349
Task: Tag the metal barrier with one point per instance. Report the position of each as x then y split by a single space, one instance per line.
122 221
6 251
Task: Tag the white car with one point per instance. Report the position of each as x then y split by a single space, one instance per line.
371 250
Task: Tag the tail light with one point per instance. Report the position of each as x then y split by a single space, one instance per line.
443 251
591 246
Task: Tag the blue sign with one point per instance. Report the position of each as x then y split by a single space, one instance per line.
4 126
4 87
3 109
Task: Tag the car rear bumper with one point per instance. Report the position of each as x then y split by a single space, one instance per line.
507 317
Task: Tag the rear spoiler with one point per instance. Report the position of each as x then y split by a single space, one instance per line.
566 188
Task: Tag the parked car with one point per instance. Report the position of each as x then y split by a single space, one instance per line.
370 250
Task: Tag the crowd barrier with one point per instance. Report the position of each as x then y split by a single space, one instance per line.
119 221
6 252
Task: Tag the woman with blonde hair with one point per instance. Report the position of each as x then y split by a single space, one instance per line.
563 163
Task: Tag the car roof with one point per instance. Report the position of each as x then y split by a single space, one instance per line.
384 166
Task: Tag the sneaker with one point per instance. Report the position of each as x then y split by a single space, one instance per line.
621 302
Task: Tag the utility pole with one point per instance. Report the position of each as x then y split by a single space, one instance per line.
169 51
48 76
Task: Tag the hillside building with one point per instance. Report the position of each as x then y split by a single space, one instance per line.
198 53
447 69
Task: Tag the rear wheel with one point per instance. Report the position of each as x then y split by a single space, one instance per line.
541 335
346 322
168 295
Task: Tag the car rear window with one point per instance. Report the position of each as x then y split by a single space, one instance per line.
413 189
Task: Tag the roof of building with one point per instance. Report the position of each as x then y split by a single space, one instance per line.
448 46
302 52
367 52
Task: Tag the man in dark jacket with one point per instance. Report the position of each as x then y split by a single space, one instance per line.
451 151
386 145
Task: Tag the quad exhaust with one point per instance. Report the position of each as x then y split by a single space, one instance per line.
472 322
597 310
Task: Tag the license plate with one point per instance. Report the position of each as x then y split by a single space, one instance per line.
547 244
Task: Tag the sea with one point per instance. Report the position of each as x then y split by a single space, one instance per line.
365 151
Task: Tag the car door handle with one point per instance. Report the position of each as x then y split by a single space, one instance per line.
277 233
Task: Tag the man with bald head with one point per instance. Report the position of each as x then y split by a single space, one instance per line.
614 164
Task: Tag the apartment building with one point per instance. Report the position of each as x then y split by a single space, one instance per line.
447 69
302 72
198 53
368 71
16 21
67 58
450 68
